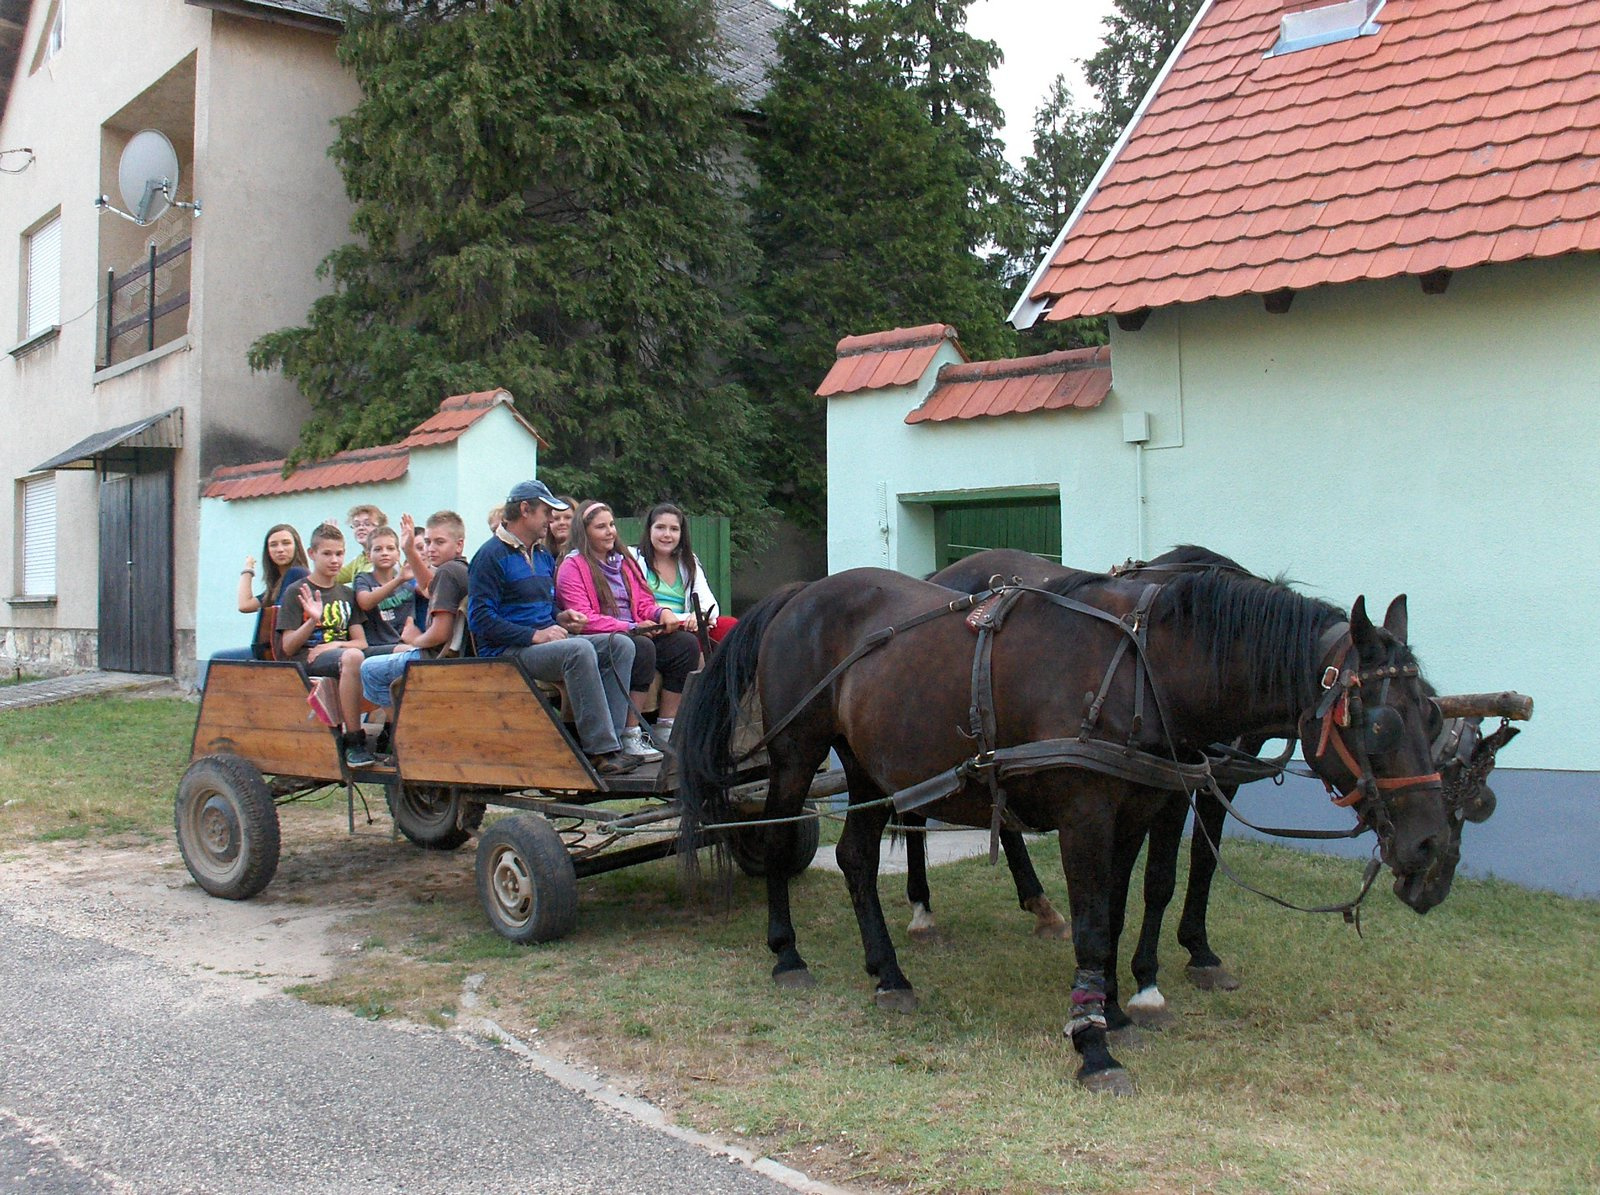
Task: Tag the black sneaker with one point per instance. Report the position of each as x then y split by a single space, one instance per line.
614 763
356 754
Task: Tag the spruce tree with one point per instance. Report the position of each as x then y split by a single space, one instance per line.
864 208
542 202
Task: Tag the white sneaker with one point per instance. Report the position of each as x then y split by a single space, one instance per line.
661 732
634 743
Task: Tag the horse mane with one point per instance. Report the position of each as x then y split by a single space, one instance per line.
1075 580
1274 627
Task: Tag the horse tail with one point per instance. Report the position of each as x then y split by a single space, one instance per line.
702 736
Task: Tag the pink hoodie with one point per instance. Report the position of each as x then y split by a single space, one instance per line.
575 591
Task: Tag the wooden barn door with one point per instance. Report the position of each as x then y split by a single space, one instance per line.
1031 524
136 573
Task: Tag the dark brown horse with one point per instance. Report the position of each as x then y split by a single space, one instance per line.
869 663
1460 753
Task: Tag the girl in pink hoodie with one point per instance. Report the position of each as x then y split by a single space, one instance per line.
602 581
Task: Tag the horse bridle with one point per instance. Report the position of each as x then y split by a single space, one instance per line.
1341 706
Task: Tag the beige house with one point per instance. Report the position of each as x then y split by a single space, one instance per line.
108 437
126 385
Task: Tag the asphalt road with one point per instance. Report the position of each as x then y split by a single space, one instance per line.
118 1073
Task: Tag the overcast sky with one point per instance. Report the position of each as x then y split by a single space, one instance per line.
1040 39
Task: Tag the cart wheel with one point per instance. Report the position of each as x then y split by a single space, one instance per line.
435 817
526 882
227 826
749 848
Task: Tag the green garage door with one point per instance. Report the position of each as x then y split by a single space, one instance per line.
1032 524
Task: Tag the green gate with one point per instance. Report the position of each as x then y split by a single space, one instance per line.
1031 524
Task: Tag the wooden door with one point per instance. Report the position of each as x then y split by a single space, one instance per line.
1031 524
136 573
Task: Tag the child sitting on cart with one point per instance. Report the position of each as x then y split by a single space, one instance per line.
443 543
324 630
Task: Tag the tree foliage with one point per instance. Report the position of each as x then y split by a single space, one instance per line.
1140 37
1071 142
542 204
875 195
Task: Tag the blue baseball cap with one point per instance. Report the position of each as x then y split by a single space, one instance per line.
534 491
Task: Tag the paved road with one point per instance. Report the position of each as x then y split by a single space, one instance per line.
120 1074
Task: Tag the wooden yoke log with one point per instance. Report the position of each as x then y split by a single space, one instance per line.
1512 705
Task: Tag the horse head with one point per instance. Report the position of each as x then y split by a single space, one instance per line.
1370 738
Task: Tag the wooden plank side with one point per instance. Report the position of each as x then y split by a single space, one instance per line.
258 712
477 722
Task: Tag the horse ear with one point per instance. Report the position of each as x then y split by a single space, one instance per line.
1362 632
1395 620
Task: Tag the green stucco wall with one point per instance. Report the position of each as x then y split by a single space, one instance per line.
470 475
1372 440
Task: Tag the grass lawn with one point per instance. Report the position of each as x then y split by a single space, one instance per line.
17 678
94 767
1453 1052
1448 1053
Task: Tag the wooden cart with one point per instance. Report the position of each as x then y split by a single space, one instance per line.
468 734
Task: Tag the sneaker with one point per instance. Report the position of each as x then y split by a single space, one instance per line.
358 757
614 763
635 744
661 732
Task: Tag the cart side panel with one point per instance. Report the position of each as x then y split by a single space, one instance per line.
478 722
257 710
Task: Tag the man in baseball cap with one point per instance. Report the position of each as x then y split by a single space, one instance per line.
511 610
532 491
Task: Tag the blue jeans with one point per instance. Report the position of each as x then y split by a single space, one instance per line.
379 672
595 671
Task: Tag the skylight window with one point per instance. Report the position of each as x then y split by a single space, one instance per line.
1326 24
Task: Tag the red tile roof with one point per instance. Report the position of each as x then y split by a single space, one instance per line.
1464 132
1078 378
895 358
361 466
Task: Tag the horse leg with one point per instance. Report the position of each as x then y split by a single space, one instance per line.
857 853
1125 853
1205 968
1030 892
790 780
1085 827
1148 1006
918 895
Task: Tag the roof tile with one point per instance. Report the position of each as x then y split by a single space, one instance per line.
1072 379
897 357
360 466
1464 132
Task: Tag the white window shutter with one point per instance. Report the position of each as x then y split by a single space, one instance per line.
39 536
44 278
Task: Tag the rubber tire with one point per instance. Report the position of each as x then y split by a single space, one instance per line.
433 821
526 882
749 849
227 826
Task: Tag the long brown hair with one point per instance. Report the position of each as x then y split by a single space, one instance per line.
683 555
580 543
271 576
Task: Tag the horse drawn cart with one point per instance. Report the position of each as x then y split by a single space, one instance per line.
468 734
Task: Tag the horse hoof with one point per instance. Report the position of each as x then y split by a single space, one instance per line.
1209 979
1115 1081
895 999
797 980
1150 1018
1058 931
928 936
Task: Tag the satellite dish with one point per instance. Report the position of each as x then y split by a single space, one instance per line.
148 176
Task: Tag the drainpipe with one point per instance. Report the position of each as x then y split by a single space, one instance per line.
1136 431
